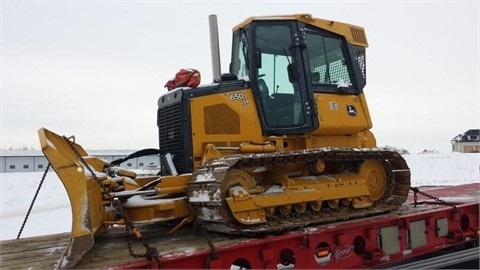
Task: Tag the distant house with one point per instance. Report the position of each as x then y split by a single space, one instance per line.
468 142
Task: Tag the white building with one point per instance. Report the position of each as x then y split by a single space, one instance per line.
35 161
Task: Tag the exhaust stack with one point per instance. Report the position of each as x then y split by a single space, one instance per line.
214 48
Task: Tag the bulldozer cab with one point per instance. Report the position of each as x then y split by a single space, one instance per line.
287 60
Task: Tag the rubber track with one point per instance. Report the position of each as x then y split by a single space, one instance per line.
398 186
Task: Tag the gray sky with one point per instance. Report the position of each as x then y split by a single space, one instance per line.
95 69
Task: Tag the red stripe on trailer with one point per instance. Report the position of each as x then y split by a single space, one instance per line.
368 242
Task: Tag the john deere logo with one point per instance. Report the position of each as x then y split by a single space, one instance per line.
351 110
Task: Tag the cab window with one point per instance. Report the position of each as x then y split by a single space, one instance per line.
278 92
327 61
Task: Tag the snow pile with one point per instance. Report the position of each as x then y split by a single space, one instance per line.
51 212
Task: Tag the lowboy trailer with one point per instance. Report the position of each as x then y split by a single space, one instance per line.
433 219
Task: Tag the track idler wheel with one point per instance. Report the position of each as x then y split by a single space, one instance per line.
376 178
237 186
236 183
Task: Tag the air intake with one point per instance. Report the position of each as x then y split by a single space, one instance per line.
358 36
169 122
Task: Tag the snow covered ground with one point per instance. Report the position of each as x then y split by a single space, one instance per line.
51 212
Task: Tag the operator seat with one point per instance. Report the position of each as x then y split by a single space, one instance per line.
263 88
315 77
264 93
266 100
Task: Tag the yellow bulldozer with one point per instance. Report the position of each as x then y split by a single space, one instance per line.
280 142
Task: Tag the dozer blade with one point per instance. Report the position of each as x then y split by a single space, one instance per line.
76 248
83 191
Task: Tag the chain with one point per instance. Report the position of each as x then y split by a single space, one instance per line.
200 226
150 252
82 160
415 198
33 201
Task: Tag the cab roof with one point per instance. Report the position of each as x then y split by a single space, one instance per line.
354 34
